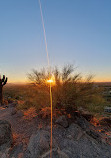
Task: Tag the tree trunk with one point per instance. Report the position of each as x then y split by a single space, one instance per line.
1 95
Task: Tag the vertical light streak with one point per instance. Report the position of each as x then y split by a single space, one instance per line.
51 120
49 74
44 34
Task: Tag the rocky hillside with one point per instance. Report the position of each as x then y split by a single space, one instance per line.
72 137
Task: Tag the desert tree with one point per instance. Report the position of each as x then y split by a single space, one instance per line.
69 91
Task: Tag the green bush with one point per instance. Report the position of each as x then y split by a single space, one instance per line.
69 92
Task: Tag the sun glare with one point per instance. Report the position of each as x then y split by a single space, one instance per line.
51 80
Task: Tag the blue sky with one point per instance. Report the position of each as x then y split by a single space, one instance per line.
78 31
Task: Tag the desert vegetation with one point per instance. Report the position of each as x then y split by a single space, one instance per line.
70 91
75 122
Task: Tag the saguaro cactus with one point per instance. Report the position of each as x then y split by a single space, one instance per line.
3 81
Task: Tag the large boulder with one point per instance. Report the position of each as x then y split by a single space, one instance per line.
79 139
38 144
5 134
89 129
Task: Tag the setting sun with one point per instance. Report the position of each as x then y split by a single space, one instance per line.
51 80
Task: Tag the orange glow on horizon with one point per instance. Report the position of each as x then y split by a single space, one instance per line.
23 79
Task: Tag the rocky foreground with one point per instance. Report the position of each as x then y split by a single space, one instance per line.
75 138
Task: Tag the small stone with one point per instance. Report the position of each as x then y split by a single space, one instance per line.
56 154
69 136
19 114
13 111
62 121
75 132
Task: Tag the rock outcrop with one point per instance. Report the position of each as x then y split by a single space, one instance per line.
6 138
74 138
38 144
5 135
78 140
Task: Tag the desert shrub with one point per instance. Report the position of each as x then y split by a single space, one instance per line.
69 90
30 113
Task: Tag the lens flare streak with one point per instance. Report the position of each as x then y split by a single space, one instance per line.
50 80
44 33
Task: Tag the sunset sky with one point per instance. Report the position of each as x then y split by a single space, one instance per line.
78 32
